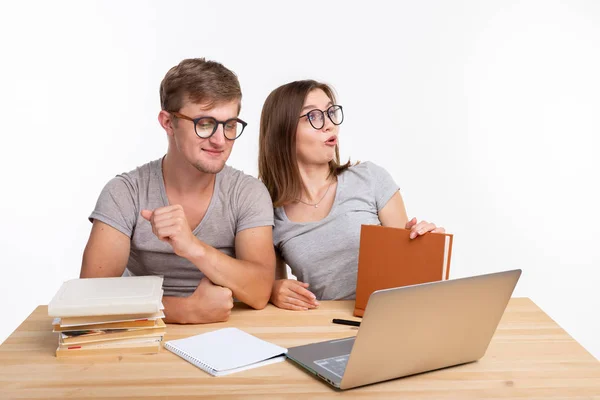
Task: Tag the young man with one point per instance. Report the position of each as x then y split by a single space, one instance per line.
204 226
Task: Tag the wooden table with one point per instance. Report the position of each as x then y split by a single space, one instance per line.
530 357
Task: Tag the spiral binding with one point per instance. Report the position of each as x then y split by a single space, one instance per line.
190 359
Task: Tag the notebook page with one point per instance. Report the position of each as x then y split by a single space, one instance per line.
227 349
256 365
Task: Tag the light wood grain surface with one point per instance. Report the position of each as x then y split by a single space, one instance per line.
530 357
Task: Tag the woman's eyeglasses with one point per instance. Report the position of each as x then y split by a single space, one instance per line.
317 117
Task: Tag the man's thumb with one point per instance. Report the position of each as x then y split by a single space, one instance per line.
147 214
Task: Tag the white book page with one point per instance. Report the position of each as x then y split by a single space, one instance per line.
446 258
228 349
107 296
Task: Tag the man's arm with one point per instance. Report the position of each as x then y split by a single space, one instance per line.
251 274
106 252
106 255
280 268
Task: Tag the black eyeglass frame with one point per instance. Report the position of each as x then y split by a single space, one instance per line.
328 111
216 121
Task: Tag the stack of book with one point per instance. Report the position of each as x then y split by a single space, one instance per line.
108 316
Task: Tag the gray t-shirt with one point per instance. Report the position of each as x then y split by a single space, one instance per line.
239 202
324 253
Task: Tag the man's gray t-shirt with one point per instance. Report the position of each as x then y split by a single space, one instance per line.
239 202
324 253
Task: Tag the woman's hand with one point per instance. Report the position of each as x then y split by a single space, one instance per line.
421 228
291 294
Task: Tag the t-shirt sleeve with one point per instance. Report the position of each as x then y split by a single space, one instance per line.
382 184
254 206
116 205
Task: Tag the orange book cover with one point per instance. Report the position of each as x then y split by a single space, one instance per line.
142 348
388 258
148 323
107 319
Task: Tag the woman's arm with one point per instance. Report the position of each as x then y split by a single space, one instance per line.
290 294
393 214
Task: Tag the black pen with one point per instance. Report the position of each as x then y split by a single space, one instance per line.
345 322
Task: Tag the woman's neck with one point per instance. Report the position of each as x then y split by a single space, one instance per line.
316 179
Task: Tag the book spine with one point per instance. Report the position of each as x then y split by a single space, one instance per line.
193 360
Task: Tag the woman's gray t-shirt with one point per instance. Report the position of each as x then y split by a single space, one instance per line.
324 253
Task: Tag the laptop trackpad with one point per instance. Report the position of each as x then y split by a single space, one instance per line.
336 365
310 353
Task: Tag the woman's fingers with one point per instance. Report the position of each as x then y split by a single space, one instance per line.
422 228
416 229
297 302
300 291
293 307
411 223
293 295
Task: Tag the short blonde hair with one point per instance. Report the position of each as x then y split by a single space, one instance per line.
198 81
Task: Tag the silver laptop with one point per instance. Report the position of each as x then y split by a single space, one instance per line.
414 329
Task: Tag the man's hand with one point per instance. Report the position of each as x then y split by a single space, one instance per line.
169 224
209 303
292 295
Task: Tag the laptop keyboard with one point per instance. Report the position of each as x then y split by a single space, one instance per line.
335 365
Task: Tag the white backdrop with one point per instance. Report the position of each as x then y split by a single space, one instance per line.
486 113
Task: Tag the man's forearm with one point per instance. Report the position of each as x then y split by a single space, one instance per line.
176 310
250 282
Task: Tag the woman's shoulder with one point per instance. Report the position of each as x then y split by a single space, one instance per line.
363 169
368 174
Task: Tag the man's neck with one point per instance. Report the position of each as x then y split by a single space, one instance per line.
314 177
181 177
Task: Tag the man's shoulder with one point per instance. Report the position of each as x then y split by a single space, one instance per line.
134 181
247 196
142 172
233 179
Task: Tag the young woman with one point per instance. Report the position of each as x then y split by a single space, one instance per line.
319 203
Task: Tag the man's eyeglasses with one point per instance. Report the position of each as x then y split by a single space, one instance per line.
205 127
317 117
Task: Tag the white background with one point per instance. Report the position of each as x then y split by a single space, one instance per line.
487 114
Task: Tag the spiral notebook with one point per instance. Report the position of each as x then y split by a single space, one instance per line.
226 351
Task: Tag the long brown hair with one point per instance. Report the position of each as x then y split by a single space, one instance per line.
277 165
